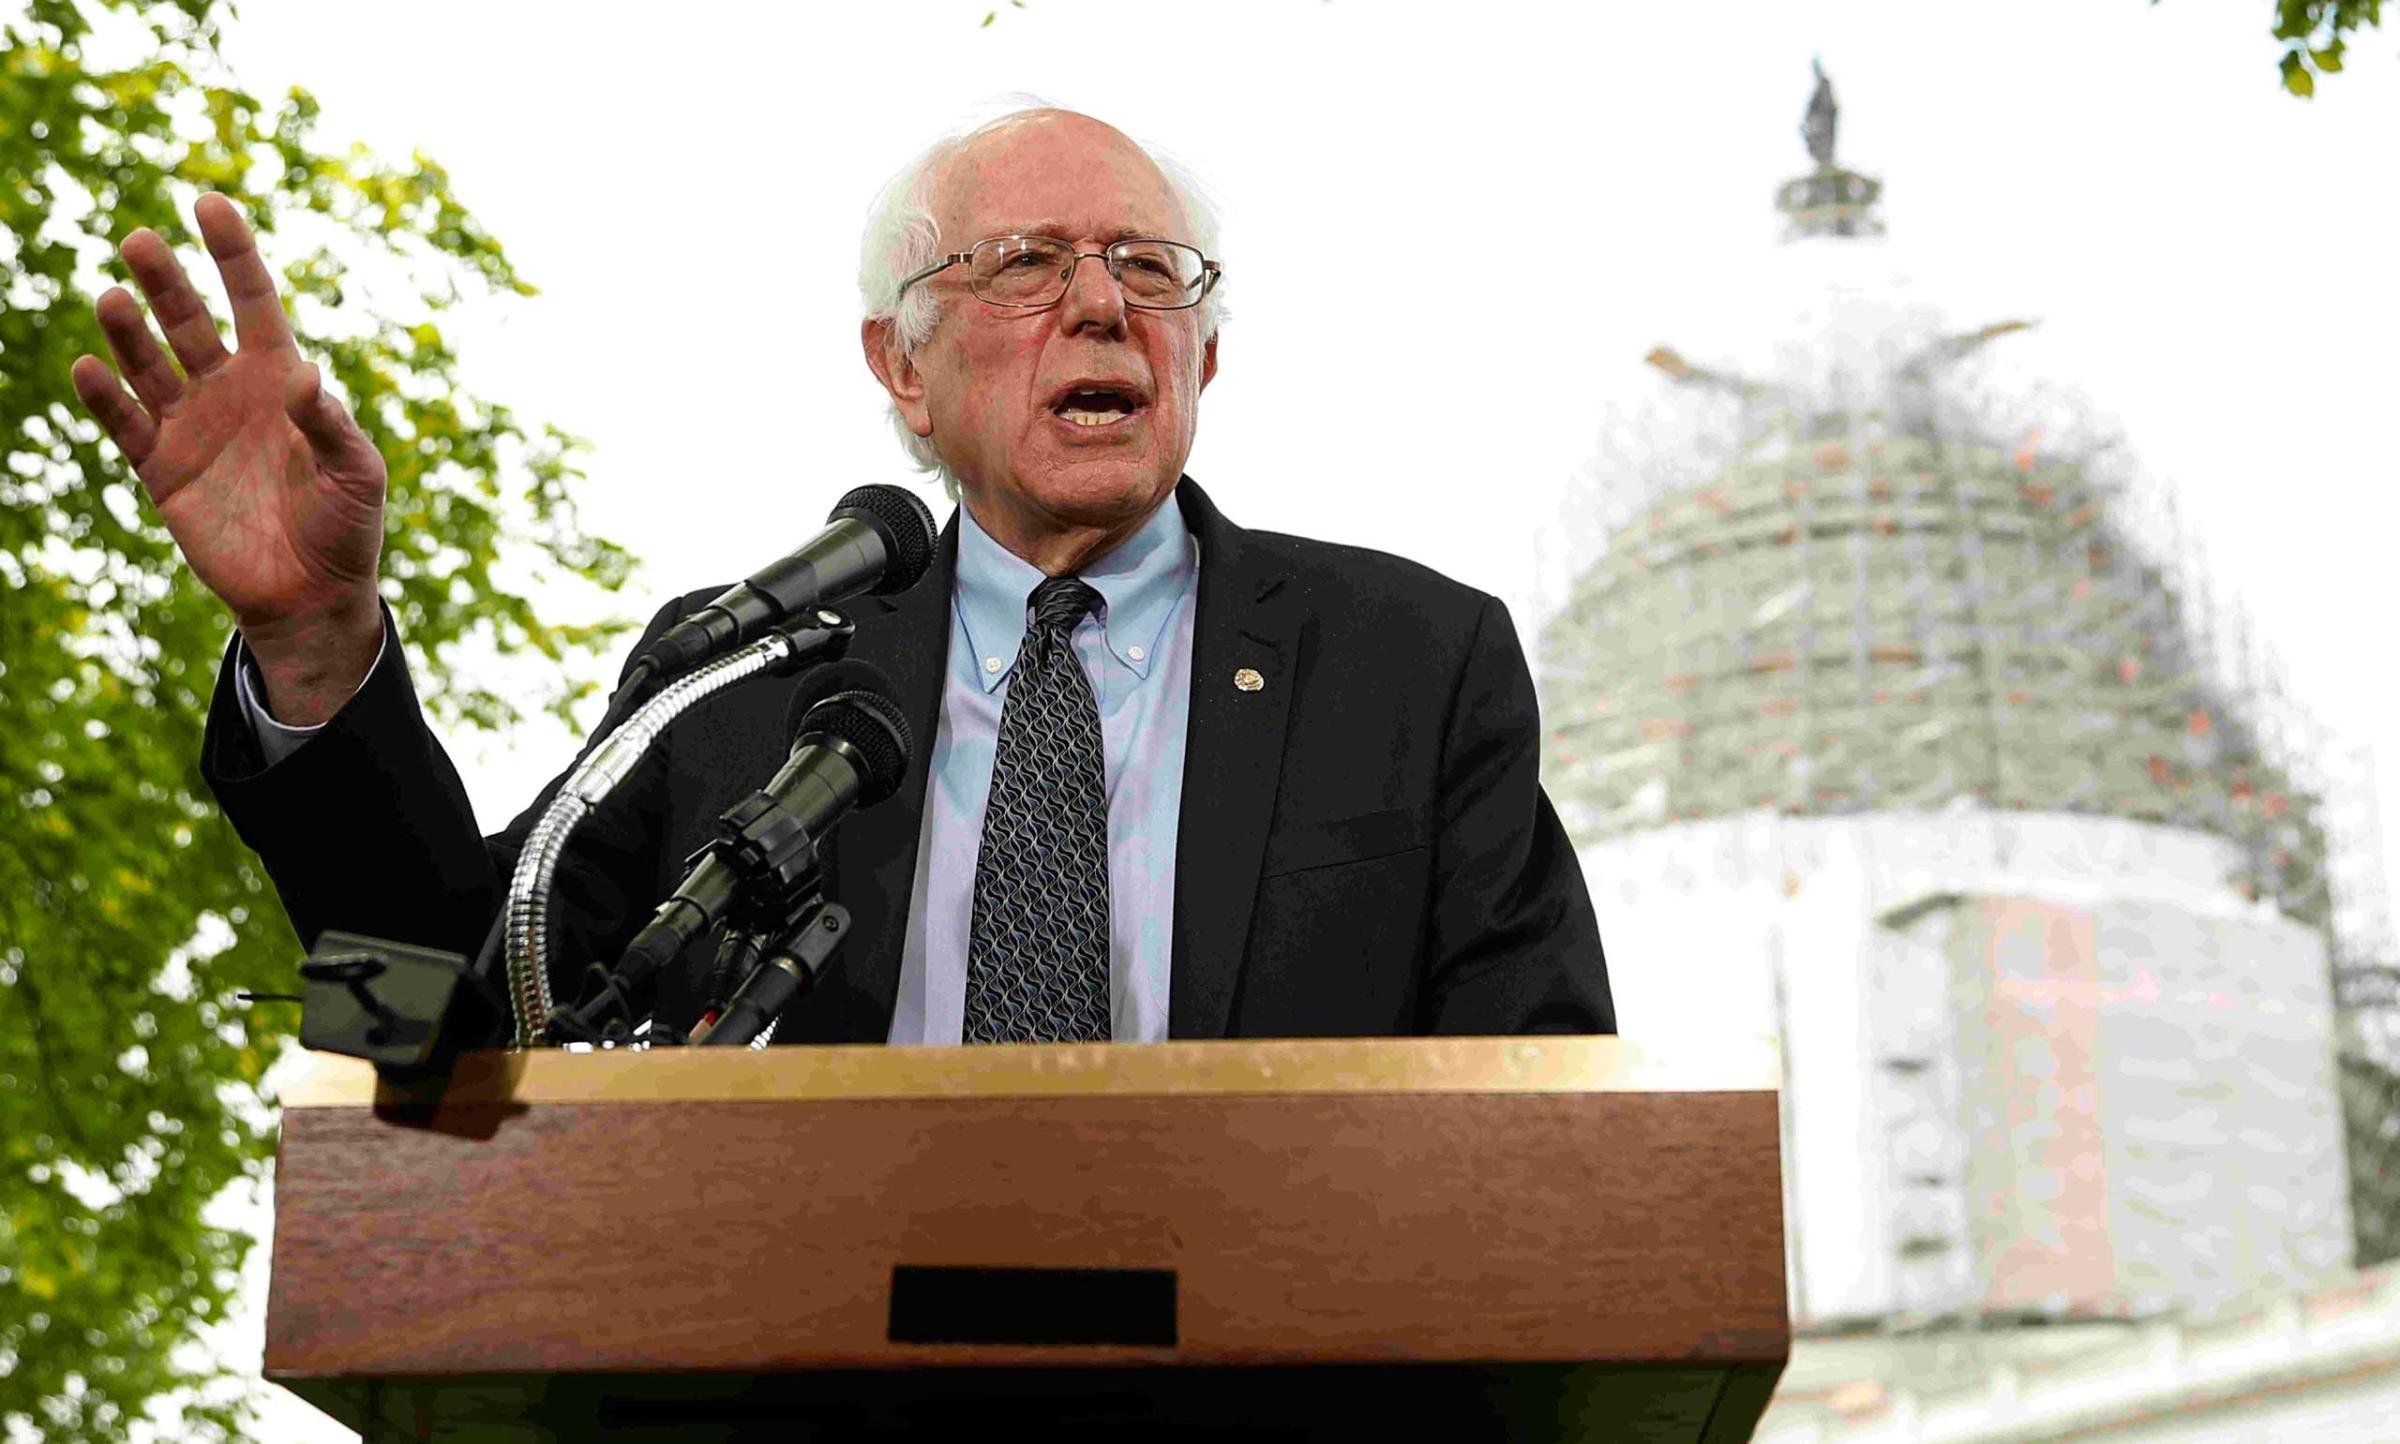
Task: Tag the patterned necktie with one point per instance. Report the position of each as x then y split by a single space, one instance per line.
1037 956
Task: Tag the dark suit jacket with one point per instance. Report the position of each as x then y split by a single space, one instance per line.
1364 850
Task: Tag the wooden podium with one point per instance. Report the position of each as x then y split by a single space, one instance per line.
1458 1238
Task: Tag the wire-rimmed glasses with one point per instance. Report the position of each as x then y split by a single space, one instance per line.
1034 271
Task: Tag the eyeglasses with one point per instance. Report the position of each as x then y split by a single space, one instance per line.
1033 271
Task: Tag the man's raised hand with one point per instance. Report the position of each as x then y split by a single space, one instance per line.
267 485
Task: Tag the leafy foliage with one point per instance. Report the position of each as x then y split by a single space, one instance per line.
2315 34
130 914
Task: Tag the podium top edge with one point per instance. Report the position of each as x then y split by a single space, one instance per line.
1296 1066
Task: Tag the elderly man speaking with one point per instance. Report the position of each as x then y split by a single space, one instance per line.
1233 784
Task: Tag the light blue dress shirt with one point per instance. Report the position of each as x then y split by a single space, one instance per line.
1137 650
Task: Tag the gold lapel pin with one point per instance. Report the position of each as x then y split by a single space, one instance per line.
1247 679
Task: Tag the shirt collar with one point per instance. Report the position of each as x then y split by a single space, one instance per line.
1139 583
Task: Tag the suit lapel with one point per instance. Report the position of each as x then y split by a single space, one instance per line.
1232 763
874 865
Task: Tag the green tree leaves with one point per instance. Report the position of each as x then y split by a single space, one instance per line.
130 914
2315 34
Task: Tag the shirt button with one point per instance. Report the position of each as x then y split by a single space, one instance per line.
991 664
1136 653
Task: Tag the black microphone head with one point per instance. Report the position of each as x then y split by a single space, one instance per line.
822 681
902 519
852 701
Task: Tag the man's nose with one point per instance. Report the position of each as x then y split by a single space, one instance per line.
1093 296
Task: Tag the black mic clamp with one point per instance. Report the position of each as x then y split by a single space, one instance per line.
759 872
762 856
763 841
789 969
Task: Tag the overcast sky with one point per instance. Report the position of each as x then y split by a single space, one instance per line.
1526 200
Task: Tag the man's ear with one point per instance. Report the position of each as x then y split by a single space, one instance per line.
1208 361
898 372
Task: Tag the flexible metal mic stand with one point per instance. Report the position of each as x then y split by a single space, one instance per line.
526 917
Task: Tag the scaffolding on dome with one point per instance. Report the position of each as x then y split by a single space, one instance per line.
1948 625
1894 609
1880 587
1873 582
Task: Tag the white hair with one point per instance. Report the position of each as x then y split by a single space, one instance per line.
902 238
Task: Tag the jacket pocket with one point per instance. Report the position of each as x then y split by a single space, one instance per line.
1362 838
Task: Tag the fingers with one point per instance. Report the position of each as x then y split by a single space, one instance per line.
138 353
180 311
128 425
257 308
341 448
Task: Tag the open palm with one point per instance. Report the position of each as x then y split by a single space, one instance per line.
267 485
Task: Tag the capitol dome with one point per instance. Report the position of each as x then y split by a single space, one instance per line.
1882 600
1874 564
1885 726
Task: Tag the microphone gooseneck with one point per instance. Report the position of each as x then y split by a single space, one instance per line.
524 924
852 751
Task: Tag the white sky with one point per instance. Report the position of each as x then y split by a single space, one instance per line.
1525 200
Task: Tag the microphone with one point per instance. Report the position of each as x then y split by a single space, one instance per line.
852 751
879 539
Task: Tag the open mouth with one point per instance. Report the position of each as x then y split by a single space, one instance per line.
1096 406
